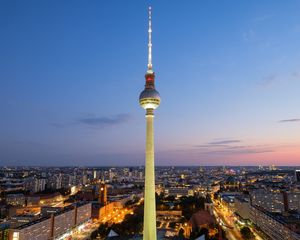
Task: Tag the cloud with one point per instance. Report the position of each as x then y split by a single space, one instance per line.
94 121
241 150
248 35
59 125
289 120
219 147
262 18
279 79
296 75
232 150
104 121
268 80
229 141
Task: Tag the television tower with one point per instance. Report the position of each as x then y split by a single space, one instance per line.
149 100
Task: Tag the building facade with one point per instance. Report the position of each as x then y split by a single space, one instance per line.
54 225
273 227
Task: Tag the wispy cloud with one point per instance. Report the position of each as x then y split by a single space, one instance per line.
268 80
104 121
94 121
59 125
248 35
228 141
229 147
262 18
290 120
237 151
296 75
279 79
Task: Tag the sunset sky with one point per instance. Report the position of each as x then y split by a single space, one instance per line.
228 73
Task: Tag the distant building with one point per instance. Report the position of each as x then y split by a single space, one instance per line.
272 167
4 231
202 219
17 199
66 181
179 191
242 207
39 185
230 184
88 193
297 176
293 201
33 201
228 200
111 174
209 205
54 181
276 201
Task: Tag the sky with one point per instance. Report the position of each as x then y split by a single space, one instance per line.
71 72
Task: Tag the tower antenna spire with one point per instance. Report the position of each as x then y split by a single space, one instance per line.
150 39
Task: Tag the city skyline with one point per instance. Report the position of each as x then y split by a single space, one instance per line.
229 74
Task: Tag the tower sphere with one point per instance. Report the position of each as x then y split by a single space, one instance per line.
149 98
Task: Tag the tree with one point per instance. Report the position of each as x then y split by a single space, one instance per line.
172 224
103 229
170 198
181 233
94 235
190 205
246 233
132 224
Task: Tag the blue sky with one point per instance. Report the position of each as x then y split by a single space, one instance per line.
228 73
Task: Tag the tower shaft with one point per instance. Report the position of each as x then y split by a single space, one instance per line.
149 196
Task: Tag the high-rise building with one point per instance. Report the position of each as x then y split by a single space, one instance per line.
149 100
297 176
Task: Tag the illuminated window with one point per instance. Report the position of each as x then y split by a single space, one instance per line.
16 236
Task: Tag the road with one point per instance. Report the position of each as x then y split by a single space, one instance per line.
227 219
232 232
